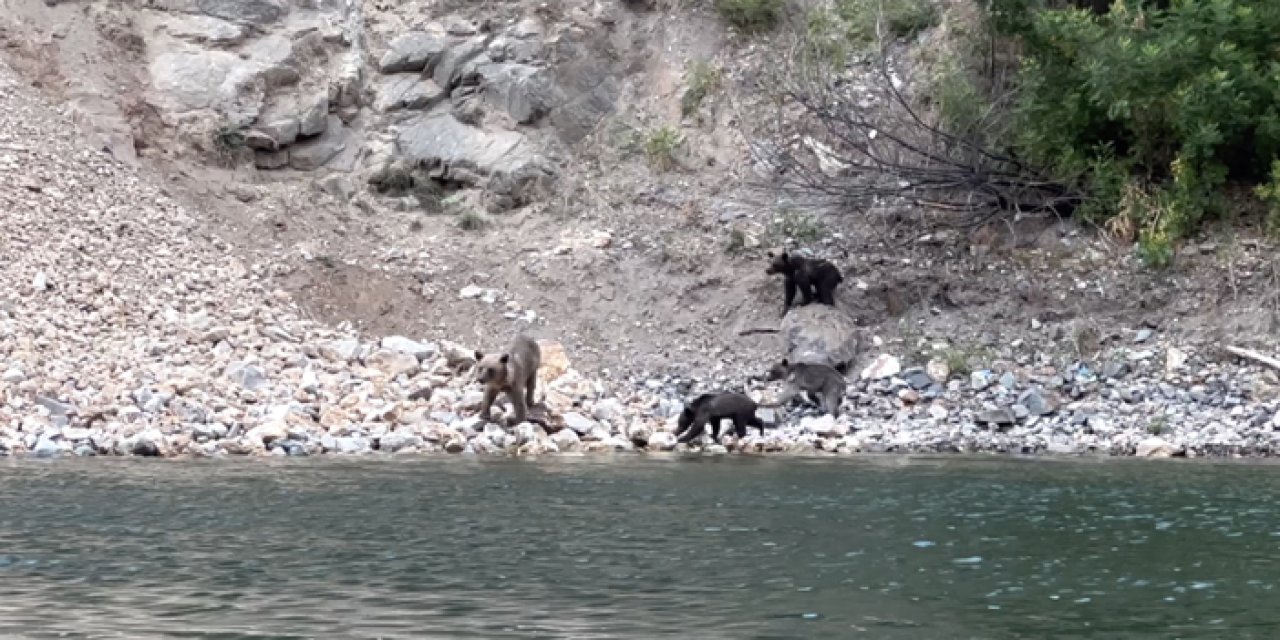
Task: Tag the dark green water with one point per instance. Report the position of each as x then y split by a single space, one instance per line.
644 548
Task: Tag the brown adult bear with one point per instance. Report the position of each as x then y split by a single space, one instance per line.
514 372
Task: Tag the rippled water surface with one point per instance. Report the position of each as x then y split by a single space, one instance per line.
575 548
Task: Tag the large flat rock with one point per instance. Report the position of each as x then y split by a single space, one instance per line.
245 11
313 153
407 91
415 51
190 80
503 161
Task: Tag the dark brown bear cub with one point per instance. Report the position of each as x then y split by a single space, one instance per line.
514 373
714 408
814 278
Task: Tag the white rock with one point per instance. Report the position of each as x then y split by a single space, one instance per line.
662 441
607 409
579 422
1154 447
420 350
566 440
824 425
884 366
938 370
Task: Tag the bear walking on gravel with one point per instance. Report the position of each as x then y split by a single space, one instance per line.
514 372
714 408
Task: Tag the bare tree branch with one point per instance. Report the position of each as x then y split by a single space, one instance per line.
859 139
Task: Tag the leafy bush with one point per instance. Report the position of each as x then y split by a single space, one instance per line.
661 145
1183 100
900 18
702 80
831 32
472 220
1269 192
751 16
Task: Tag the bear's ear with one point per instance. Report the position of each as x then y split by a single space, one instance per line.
784 256
785 363
479 356
768 254
505 357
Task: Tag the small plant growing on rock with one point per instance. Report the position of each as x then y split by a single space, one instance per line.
957 362
401 180
1157 426
737 242
472 220
750 16
702 79
1269 192
229 143
661 146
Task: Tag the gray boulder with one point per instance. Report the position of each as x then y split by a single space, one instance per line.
819 334
407 91
289 119
271 159
504 162
199 29
415 51
523 92
273 134
186 81
314 153
313 114
243 11
584 88
272 59
449 70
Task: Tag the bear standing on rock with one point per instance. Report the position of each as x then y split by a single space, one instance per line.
815 279
514 373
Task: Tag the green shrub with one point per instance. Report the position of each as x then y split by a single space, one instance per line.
228 138
825 38
472 220
702 79
404 180
1269 192
230 145
899 18
737 242
1185 99
660 147
750 16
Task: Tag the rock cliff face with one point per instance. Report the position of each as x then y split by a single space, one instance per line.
312 86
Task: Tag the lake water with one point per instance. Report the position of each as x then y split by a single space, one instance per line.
732 547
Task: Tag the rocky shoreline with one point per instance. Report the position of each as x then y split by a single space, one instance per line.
126 330
274 393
